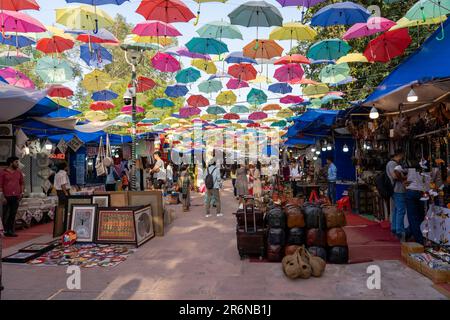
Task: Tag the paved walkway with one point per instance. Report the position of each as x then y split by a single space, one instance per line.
197 259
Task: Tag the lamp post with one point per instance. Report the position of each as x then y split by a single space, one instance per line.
133 56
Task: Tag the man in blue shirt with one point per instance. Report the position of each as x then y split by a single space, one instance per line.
332 177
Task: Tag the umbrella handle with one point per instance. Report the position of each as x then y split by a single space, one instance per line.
442 36
96 26
197 19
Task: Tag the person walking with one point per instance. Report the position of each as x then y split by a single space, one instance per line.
111 179
184 183
169 175
397 178
12 189
331 177
257 185
159 173
62 187
213 184
241 183
294 176
233 179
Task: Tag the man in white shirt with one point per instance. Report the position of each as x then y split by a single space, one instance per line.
159 173
62 187
294 176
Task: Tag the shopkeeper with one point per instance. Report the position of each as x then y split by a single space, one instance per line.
62 184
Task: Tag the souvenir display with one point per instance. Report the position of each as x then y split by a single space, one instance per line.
103 201
83 221
116 225
144 225
68 238
75 143
21 257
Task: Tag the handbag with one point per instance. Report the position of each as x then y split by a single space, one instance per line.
99 165
108 161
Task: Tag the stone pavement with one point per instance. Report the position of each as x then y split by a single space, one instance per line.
198 259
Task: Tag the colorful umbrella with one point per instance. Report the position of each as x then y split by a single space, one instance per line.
258 115
265 49
96 81
271 107
331 49
18 5
55 44
130 41
316 90
222 121
159 41
242 71
53 70
206 46
292 58
289 99
231 116
304 81
102 36
184 52
256 14
165 62
95 55
63 102
129 109
239 109
210 86
104 95
198 101
279 124
155 29
301 3
188 112
208 117
285 113
344 13
289 72
176 91
59 91
236 84
334 73
163 103
352 57
226 98
150 120
219 30
238 57
387 46
13 21
293 31
406 23
426 9
245 121
144 84
256 97
16 41
165 10
101 105
330 97
365 29
13 58
205 65
95 116
188 75
83 17
215 110
16 78
280 88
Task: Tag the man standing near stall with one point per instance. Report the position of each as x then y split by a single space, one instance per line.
332 177
12 189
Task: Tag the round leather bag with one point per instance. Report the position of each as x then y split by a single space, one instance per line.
108 161
336 237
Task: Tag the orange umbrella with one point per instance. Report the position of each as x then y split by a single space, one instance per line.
292 58
263 49
55 44
303 81
271 107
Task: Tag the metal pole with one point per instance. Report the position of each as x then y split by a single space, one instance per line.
133 130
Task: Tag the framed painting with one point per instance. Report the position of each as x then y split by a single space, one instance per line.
21 257
6 130
71 201
83 221
144 225
116 225
39 247
103 201
6 149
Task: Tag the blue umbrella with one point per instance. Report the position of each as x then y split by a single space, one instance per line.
245 121
95 55
343 13
104 95
163 103
176 91
323 61
238 57
188 75
16 41
280 88
206 46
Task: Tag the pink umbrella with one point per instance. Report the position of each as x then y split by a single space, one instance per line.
155 29
184 52
128 109
291 99
336 93
372 26
16 78
19 22
289 72
258 115
188 112
165 62
236 84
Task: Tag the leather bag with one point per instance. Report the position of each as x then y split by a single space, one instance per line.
316 238
336 237
318 252
99 165
334 217
338 255
290 249
314 217
294 217
276 218
276 236
275 253
296 236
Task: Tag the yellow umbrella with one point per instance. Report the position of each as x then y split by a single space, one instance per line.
83 17
226 98
184 122
62 102
51 31
316 90
205 65
271 120
155 113
406 23
208 117
95 115
96 81
285 113
353 57
169 120
163 41
236 125
293 31
261 79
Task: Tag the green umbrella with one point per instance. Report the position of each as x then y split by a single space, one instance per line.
12 58
210 86
188 75
216 110
54 70
222 121
329 98
239 109
425 9
331 49
220 30
315 103
206 46
315 90
163 103
334 73
256 96
279 124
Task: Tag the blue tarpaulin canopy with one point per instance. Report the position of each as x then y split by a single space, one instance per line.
314 122
428 65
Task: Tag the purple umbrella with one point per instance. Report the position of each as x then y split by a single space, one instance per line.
184 52
236 84
187 112
258 115
301 3
372 26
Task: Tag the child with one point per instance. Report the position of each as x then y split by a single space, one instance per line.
125 181
184 183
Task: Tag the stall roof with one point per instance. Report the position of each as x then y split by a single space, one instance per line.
314 122
297 141
428 64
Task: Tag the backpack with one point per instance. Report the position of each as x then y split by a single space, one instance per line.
209 180
384 185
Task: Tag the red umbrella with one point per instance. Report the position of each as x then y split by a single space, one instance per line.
258 115
253 125
165 10
188 112
236 84
291 99
198 101
289 72
387 46
101 105
55 44
292 58
102 36
17 5
231 116
59 91
144 84
243 71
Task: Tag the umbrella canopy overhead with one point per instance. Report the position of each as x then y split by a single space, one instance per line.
198 101
343 13
13 21
290 99
163 103
184 52
220 30
188 112
289 72
238 57
18 41
165 10
301 3
387 46
205 65
256 14
13 58
104 95
206 46
263 49
144 84
15 5
96 81
231 116
280 88
293 31
95 55
256 97
155 29
236 84
258 115
215 110
372 26
188 75
16 78
331 49
129 109
239 109
176 91
102 36
59 91
83 17
54 44
165 62
243 71
314 90
210 86
226 98
425 9
292 58
334 73
352 57
101 105
271 107
54 70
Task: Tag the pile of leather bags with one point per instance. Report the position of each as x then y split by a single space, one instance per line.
301 264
